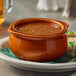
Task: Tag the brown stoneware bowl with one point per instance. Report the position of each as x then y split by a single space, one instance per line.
38 47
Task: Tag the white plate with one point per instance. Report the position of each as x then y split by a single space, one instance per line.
35 66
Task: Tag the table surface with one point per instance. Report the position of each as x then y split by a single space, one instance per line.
26 9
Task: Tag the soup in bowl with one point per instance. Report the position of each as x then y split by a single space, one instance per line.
38 39
40 28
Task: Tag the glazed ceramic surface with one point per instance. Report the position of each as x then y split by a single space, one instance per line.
38 47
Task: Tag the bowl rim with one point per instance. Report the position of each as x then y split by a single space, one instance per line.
35 64
60 23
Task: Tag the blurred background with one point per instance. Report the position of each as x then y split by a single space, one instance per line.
28 8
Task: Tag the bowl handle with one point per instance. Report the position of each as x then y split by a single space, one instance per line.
65 24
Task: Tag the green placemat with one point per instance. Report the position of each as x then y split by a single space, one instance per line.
8 52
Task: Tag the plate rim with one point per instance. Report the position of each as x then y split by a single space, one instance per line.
35 64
